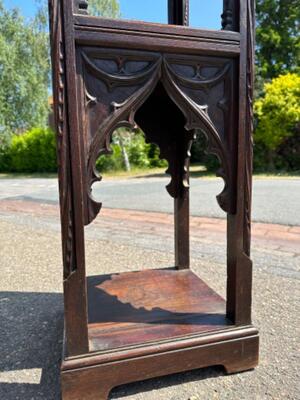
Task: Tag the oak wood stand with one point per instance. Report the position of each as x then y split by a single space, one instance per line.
172 81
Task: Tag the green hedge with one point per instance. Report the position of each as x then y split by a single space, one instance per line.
277 134
34 151
277 140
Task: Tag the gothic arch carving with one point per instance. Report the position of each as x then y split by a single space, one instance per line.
117 83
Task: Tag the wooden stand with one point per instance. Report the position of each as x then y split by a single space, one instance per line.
171 81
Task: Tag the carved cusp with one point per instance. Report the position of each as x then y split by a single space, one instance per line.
197 118
121 114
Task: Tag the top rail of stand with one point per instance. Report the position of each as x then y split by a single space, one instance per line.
152 36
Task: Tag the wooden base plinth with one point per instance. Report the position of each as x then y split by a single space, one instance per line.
142 323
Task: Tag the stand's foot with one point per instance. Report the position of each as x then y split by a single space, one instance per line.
83 389
234 368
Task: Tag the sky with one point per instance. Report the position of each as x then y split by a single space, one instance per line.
202 15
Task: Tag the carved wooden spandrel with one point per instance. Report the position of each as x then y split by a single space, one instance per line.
130 88
203 89
114 85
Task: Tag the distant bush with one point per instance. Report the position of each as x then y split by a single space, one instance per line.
110 162
140 153
4 151
34 151
200 155
277 134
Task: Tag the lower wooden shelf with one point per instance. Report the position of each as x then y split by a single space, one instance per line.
137 307
152 323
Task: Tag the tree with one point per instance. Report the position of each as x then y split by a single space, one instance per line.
277 37
24 71
104 8
278 115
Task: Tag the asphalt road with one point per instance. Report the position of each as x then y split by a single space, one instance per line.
274 200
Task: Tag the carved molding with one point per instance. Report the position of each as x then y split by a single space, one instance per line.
121 78
249 125
110 69
63 155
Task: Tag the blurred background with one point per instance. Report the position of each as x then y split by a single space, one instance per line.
27 142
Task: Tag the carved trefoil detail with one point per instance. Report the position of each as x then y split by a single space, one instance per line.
117 84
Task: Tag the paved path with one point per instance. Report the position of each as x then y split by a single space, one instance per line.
31 307
154 230
274 200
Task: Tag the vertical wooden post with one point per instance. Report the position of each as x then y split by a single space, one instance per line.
230 15
179 15
182 230
239 264
63 58
178 11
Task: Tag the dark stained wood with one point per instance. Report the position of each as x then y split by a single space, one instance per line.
88 23
182 229
239 264
236 355
230 16
152 305
159 85
178 12
147 36
80 6
170 80
231 333
65 105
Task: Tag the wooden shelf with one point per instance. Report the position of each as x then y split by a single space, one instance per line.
152 305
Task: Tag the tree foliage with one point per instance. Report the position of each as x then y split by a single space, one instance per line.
104 8
278 111
277 135
34 151
24 71
277 37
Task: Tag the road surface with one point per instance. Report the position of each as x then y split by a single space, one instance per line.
274 200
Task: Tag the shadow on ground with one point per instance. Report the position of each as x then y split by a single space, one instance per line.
31 339
31 345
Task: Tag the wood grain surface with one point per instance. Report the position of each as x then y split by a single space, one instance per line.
138 307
